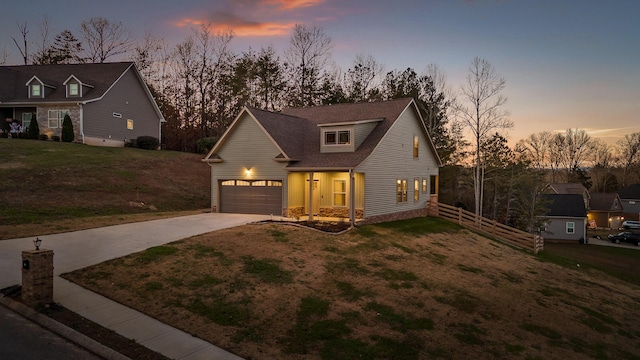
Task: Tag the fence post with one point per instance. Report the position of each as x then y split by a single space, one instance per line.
460 216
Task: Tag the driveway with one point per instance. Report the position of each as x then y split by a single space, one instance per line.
79 249
605 242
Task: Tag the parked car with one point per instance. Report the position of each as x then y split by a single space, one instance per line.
630 224
625 236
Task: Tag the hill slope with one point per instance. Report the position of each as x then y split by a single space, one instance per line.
52 182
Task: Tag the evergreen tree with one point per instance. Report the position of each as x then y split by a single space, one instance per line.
33 131
67 129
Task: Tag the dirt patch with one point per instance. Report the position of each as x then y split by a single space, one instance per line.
283 292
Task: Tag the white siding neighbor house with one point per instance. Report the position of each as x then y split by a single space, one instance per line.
368 161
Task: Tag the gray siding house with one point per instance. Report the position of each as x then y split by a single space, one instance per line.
630 198
109 104
566 217
368 161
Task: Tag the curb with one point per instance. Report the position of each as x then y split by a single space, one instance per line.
62 330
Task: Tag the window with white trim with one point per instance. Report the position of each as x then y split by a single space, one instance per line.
571 227
337 137
339 192
74 90
425 187
401 190
55 118
416 189
129 124
36 90
415 146
26 120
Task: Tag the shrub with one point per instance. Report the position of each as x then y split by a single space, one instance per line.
205 144
55 138
43 137
67 129
33 131
147 142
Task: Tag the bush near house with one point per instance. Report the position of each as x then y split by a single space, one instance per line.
204 145
67 129
147 142
33 131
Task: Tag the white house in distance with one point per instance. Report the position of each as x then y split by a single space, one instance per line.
367 161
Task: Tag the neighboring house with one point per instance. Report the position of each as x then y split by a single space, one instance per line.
109 104
605 211
372 161
569 188
566 218
630 198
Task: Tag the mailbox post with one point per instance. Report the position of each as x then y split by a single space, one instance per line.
37 276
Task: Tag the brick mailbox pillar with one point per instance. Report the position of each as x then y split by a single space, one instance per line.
37 277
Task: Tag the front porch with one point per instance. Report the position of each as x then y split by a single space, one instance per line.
326 195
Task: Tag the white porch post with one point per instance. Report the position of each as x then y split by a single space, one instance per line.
311 196
352 198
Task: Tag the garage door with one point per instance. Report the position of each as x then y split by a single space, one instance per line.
251 197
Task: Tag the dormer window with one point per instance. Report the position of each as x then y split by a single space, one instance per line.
73 89
337 137
36 90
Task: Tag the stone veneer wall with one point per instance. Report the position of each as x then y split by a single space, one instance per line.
410 214
43 121
37 279
341 212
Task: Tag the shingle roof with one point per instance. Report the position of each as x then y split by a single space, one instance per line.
630 192
566 205
568 188
13 80
604 202
311 157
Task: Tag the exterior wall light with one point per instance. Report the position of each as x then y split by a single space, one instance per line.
37 243
248 172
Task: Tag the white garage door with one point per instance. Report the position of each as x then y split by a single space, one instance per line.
251 196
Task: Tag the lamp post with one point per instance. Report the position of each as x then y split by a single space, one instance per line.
37 243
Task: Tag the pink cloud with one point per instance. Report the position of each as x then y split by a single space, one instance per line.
293 4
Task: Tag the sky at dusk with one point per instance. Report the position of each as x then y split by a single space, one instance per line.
567 63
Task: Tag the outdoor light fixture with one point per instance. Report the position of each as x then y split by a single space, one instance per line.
248 171
37 243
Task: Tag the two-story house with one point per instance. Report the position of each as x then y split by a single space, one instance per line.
371 161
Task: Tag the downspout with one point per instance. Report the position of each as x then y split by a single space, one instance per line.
352 198
81 121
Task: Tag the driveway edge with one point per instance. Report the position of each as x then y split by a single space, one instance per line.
62 330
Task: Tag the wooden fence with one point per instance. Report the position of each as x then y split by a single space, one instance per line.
489 227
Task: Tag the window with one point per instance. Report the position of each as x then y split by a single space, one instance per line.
342 137
129 124
434 184
416 189
401 190
26 121
242 183
339 193
36 90
55 118
424 186
415 146
228 183
571 227
274 183
73 90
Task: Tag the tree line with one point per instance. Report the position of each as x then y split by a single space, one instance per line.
201 84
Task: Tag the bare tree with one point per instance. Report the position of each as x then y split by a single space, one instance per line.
105 39
577 149
602 160
361 80
628 149
45 43
556 155
24 49
481 109
536 149
308 53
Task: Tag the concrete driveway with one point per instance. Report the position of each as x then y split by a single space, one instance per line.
79 249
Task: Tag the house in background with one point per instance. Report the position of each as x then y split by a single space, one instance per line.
605 211
370 161
109 104
566 218
630 198
569 188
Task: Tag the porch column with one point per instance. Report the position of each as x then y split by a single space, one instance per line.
352 198
311 196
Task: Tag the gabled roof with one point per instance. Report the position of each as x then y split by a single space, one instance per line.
296 131
564 205
605 202
568 188
631 192
99 76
